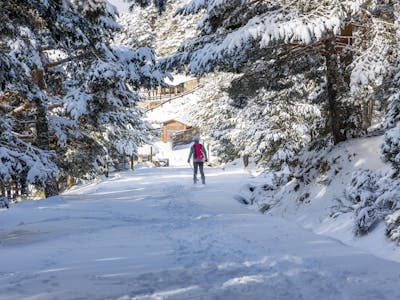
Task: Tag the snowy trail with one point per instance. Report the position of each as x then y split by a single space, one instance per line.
151 234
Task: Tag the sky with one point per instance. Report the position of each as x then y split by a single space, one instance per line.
121 5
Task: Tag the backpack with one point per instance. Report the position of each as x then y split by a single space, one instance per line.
198 154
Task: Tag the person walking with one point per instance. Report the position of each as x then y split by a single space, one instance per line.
199 155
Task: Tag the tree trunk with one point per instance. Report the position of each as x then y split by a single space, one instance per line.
367 114
42 129
2 189
332 71
245 160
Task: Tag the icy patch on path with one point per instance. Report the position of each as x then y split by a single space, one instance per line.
151 234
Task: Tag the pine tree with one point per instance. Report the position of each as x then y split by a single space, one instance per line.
236 34
163 33
65 87
391 145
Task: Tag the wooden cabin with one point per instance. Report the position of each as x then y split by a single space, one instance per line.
170 127
184 137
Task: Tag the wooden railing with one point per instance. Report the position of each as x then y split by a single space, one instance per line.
168 98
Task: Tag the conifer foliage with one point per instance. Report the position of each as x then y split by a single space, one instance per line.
352 39
67 96
163 33
391 145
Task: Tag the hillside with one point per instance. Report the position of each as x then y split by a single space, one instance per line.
323 205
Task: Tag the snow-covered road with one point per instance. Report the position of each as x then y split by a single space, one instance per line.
151 234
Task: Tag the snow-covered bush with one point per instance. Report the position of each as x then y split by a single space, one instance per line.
392 222
374 197
262 193
391 147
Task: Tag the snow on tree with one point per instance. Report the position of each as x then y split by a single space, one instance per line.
391 145
164 33
263 123
374 198
159 4
392 222
21 162
66 89
235 34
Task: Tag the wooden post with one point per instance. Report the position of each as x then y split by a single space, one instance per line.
2 190
106 170
151 154
132 163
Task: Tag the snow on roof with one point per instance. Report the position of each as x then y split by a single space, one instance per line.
178 119
175 120
178 79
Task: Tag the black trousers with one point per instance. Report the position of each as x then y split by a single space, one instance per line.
198 165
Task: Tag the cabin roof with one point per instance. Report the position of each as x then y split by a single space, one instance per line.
178 79
176 120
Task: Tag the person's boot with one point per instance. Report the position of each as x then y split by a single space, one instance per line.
203 181
194 180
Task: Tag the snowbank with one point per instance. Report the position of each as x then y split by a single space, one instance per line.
319 205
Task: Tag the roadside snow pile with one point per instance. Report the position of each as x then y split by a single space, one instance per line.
343 192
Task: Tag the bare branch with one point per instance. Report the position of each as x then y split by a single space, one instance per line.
68 59
21 108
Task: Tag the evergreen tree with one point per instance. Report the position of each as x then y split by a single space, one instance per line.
236 34
144 28
271 124
65 89
391 145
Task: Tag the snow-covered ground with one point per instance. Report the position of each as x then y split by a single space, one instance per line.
315 211
151 234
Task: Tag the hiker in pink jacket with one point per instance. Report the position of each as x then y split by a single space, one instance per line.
199 154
